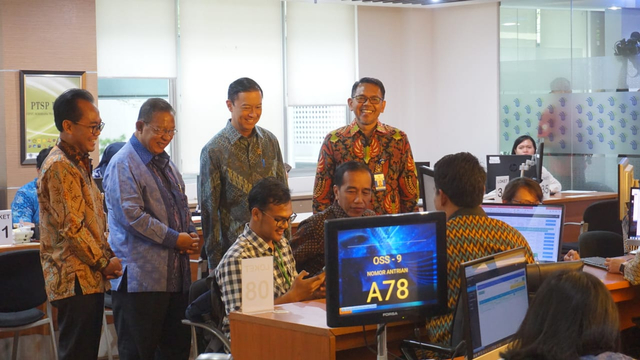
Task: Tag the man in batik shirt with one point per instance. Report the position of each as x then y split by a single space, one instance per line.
352 188
76 258
383 148
231 163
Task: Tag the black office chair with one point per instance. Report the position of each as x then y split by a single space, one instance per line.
599 216
213 323
22 284
410 348
600 243
538 273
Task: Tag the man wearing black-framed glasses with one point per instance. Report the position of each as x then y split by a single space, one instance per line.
383 148
271 215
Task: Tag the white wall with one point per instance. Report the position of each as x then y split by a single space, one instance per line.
136 38
221 41
440 68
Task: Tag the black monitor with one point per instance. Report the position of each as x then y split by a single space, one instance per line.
427 187
634 212
495 300
541 226
383 269
507 165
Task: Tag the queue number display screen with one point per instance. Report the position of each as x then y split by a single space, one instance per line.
387 268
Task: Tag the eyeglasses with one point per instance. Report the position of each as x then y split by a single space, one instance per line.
159 131
374 100
282 222
94 128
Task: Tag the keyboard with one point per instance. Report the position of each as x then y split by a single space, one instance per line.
596 261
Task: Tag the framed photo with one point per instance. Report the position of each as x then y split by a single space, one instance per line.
38 91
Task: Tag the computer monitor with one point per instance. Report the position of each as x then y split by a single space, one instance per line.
541 225
495 300
427 187
383 269
507 165
634 212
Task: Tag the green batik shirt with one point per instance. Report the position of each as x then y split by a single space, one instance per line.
230 164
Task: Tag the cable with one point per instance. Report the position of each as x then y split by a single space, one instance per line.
461 345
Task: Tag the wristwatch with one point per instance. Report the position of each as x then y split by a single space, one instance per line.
622 268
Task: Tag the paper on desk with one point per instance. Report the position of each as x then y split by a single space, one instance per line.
257 284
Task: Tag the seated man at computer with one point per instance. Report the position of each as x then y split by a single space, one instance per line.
471 234
271 215
24 207
352 187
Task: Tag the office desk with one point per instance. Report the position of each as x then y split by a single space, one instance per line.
300 331
574 205
627 297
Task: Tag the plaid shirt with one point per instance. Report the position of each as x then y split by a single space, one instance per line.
229 272
387 152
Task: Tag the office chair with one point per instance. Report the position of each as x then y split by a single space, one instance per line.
108 311
213 324
538 273
444 351
23 290
599 216
600 243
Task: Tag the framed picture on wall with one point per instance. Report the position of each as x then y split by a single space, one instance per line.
38 91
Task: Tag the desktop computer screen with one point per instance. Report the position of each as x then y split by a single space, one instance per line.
495 300
634 212
507 165
383 269
541 225
427 187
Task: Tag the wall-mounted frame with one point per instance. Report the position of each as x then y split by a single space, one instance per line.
38 91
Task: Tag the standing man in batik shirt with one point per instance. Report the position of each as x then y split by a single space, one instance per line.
231 163
383 148
152 232
76 258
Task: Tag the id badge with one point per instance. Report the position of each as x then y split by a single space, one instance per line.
380 183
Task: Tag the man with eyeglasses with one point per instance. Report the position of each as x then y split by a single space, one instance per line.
76 258
231 163
152 232
384 149
271 214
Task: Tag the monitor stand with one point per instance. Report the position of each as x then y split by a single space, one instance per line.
382 342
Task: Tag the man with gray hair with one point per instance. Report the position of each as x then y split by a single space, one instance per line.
151 230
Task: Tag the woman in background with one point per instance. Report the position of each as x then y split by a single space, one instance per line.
572 317
525 145
522 191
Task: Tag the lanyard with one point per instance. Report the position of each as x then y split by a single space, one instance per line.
280 263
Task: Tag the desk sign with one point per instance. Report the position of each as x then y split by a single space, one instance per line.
6 228
257 284
501 183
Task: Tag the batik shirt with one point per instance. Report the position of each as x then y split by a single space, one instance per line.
308 240
24 206
387 152
229 272
632 271
73 238
230 164
471 234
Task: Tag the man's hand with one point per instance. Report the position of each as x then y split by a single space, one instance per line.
113 269
572 255
305 289
187 243
613 264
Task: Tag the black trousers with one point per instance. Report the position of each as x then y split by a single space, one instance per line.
80 325
149 325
